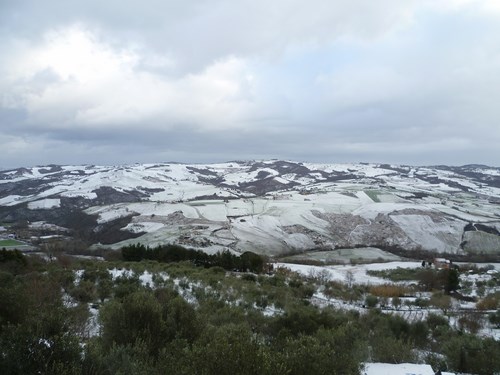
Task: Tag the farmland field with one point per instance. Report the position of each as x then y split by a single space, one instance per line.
357 255
10 243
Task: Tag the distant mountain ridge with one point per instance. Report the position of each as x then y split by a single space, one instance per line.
273 207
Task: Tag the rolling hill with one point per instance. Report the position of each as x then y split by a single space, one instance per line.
272 207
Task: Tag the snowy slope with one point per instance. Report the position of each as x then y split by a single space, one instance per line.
272 207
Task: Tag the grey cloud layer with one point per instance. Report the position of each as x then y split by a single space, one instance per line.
117 82
197 32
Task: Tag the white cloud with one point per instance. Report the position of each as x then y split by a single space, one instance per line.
95 84
75 54
481 5
195 33
251 77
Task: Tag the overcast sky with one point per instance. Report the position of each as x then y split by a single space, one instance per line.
117 81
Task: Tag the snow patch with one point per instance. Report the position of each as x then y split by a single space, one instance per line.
44 204
397 369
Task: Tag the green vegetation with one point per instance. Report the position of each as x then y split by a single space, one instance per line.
494 318
489 302
247 262
373 194
180 318
428 279
10 243
397 274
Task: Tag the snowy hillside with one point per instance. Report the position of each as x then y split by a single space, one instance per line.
273 207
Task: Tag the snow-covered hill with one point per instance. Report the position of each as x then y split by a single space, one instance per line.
273 207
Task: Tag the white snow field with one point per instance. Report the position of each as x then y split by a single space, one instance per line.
44 204
398 369
356 272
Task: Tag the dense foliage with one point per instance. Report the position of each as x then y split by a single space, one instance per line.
247 262
184 319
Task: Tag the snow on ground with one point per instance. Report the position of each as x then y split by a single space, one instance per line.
466 216
262 220
92 328
147 227
146 279
321 300
44 204
83 194
370 211
211 210
109 213
187 190
439 236
238 177
368 170
329 168
396 369
11 200
178 187
115 272
494 333
346 255
342 272
240 207
259 232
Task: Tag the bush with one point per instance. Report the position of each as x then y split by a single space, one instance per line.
84 292
389 290
471 354
230 349
441 301
389 349
371 301
490 302
332 351
470 322
421 302
249 277
494 318
436 320
13 261
398 274
37 333
419 332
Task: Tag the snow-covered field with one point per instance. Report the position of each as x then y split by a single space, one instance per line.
44 204
344 256
273 207
397 369
356 273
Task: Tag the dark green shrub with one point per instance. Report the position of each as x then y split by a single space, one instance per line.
371 301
